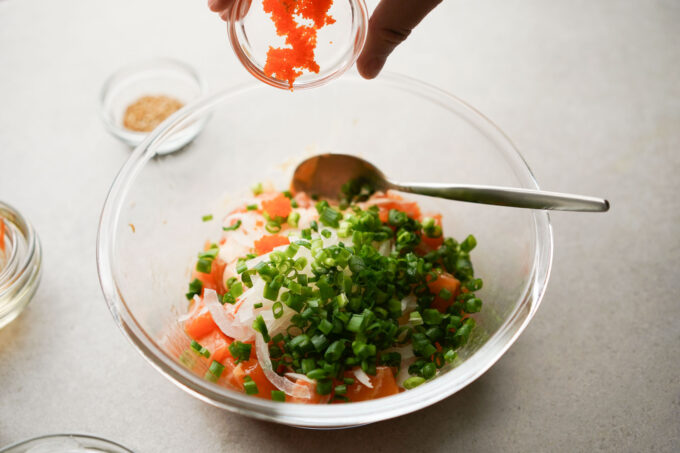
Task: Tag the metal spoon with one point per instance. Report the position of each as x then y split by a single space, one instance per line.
324 175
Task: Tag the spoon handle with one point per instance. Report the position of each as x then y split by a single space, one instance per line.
507 196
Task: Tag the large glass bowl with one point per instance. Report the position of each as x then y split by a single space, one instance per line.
151 224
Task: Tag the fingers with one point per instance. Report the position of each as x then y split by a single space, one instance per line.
219 6
390 24
223 8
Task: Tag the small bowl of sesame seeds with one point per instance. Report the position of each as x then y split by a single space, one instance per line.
139 97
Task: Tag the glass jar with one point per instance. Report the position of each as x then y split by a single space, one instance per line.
20 263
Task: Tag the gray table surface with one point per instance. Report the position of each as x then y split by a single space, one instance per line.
590 93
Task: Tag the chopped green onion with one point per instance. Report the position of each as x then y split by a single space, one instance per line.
241 267
240 351
415 318
473 305
250 386
330 217
316 373
356 323
468 244
429 370
293 219
257 305
321 205
277 310
325 326
324 386
234 226
291 250
445 294
319 341
272 226
278 395
251 207
431 316
261 327
271 291
195 288
204 265
334 351
196 346
308 365
474 284
216 369
236 289
257 189
210 254
301 342
207 217
245 278
397 218
413 382
300 263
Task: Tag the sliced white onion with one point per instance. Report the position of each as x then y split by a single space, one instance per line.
280 325
406 352
189 314
239 241
285 385
409 303
297 376
363 378
385 248
228 326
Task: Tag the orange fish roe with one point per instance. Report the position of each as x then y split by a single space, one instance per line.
287 63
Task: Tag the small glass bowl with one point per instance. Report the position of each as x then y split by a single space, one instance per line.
20 264
65 443
252 32
159 76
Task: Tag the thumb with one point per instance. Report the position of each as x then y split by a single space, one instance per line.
390 24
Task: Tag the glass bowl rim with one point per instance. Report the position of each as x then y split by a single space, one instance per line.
357 46
64 435
336 415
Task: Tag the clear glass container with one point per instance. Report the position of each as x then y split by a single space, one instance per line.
155 77
20 263
252 32
65 443
410 130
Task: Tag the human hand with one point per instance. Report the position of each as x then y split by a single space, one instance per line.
221 7
390 24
